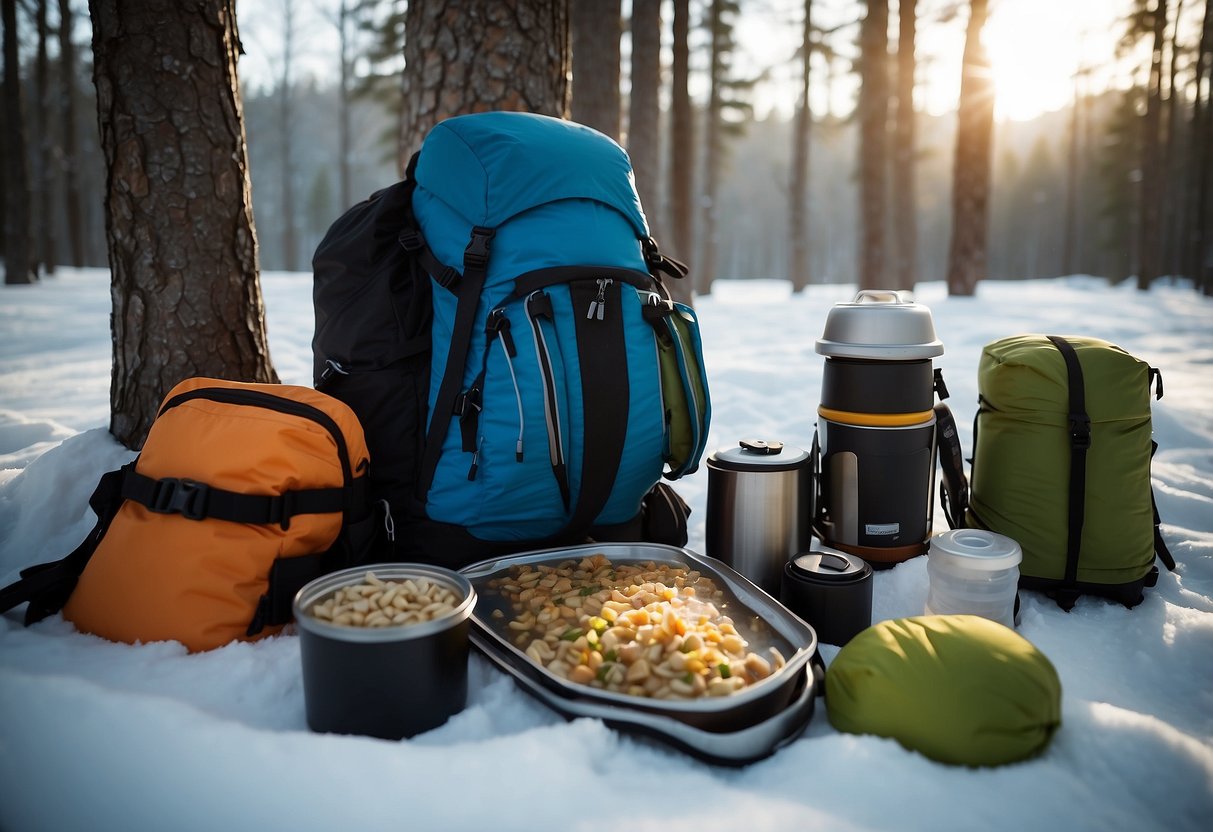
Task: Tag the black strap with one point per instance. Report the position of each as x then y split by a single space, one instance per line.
1080 442
47 586
602 354
287 576
198 501
475 268
1160 545
953 487
659 263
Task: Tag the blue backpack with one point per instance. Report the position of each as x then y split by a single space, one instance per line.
498 320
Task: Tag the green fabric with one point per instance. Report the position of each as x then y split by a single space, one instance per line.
959 689
679 353
1021 457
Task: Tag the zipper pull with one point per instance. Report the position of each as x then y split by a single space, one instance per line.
389 525
475 461
598 305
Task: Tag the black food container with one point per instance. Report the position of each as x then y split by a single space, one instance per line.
742 726
388 682
832 591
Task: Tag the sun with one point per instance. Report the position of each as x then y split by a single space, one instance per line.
1033 63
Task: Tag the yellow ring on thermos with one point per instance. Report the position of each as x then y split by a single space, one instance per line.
875 420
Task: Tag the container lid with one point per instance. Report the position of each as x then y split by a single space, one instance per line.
976 549
759 455
880 324
824 565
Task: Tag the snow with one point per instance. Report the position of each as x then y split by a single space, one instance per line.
95 735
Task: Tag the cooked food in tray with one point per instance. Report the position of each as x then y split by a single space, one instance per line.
641 628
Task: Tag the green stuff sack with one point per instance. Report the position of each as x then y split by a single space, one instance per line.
685 398
1061 464
959 689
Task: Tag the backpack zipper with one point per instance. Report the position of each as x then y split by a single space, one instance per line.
256 398
598 305
538 305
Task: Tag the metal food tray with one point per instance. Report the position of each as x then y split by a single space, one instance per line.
733 748
758 617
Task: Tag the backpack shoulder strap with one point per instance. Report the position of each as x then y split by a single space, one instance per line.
47 586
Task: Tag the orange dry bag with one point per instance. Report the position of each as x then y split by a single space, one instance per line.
241 494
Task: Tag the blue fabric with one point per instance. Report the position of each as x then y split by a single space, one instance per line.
557 194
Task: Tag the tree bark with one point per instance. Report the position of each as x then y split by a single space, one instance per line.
715 146
1069 252
971 167
1171 203
18 257
802 125
469 58
596 29
644 111
1149 248
873 147
344 18
905 209
43 188
286 139
77 240
179 222
1200 235
682 139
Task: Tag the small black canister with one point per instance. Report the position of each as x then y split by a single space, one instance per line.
832 591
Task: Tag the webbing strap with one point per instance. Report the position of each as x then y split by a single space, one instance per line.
602 354
199 501
953 488
1080 442
287 576
475 268
1160 545
47 586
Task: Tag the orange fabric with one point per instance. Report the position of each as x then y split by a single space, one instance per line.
158 577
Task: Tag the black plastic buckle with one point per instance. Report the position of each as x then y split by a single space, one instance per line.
180 496
410 240
1080 431
468 402
476 255
447 277
282 509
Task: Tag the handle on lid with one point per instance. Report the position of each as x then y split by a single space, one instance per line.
880 296
761 446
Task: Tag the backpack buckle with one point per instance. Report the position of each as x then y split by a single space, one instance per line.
180 496
1080 431
476 255
410 240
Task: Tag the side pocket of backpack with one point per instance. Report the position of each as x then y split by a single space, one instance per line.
686 400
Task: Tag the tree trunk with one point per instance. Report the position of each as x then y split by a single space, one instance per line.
905 209
344 95
596 29
873 117
682 140
179 221
971 168
714 141
286 139
1149 247
1172 203
798 213
43 188
18 258
71 146
643 108
469 58
1069 250
1201 155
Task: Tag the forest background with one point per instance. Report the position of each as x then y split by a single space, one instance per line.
1075 136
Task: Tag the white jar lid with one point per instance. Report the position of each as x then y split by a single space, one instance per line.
976 549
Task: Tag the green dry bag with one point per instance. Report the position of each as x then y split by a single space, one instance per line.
959 689
1061 464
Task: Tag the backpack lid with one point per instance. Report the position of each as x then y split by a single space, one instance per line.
489 167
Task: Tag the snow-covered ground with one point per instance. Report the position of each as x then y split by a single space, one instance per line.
95 735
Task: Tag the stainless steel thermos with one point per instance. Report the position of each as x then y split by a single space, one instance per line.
760 508
876 427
